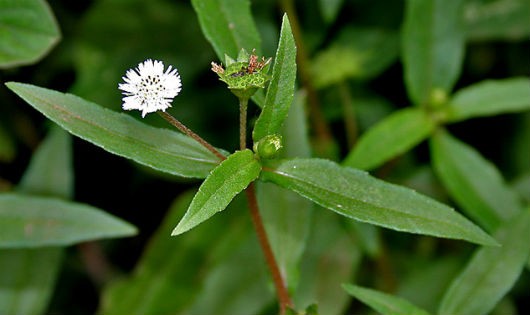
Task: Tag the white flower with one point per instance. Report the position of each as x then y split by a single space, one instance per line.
148 88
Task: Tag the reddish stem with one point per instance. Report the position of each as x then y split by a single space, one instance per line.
281 291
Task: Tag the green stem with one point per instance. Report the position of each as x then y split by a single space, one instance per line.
350 121
180 126
243 104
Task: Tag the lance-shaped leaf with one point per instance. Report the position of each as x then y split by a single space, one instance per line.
473 182
490 98
119 133
29 31
433 46
383 303
226 181
27 275
492 271
27 221
394 135
228 25
358 195
280 92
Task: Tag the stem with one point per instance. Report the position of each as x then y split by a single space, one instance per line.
350 122
281 291
243 102
180 126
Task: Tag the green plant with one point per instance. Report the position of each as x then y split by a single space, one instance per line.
281 181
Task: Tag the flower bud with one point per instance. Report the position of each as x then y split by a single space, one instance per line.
269 147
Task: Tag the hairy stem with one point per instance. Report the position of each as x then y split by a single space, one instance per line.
281 290
243 102
180 126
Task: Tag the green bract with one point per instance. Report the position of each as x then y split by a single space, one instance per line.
245 75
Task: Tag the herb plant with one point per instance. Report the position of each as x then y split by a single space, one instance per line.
287 177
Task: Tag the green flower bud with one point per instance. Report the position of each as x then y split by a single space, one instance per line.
245 75
269 147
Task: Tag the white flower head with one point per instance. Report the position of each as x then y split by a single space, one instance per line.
148 88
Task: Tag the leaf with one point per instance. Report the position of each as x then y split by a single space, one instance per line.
329 9
331 249
492 271
490 97
499 19
51 170
392 136
228 25
28 221
383 303
280 92
119 133
226 181
433 47
357 195
27 279
151 288
29 31
28 276
475 183
357 53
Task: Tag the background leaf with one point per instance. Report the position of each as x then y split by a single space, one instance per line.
491 97
7 147
280 92
498 19
29 221
473 182
228 25
330 9
28 276
392 136
29 31
432 46
356 53
384 303
227 180
357 195
492 271
119 133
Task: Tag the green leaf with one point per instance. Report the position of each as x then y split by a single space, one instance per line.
383 303
498 19
119 133
28 221
51 170
28 276
357 195
433 46
228 25
151 288
330 9
28 32
357 53
330 249
491 97
392 136
27 279
280 92
475 183
226 181
492 271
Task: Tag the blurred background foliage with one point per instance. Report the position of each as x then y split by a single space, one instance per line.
353 60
